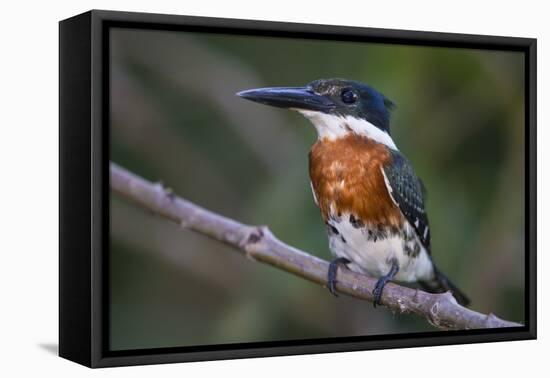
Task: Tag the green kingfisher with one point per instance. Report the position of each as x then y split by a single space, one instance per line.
370 198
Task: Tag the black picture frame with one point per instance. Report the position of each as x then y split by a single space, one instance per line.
84 187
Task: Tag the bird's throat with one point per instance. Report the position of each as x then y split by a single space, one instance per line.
332 127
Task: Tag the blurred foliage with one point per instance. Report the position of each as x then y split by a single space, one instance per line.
175 118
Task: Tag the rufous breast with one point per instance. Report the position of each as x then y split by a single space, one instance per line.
346 176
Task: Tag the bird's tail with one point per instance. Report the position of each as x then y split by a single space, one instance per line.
440 284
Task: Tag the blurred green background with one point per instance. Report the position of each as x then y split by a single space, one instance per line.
175 118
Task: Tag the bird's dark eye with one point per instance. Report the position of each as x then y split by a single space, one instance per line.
348 96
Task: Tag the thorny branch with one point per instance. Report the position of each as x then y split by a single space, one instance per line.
260 245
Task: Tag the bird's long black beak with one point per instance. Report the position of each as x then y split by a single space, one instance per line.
289 97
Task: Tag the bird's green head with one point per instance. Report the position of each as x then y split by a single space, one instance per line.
334 106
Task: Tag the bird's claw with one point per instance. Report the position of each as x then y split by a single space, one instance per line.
332 287
332 270
377 291
382 281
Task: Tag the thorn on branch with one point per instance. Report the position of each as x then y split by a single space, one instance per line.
166 191
490 319
170 193
448 295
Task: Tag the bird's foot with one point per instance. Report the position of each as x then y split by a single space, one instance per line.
382 281
378 288
332 270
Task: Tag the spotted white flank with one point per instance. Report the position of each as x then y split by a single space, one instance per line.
373 257
333 127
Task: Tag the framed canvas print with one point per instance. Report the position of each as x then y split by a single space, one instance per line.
234 188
